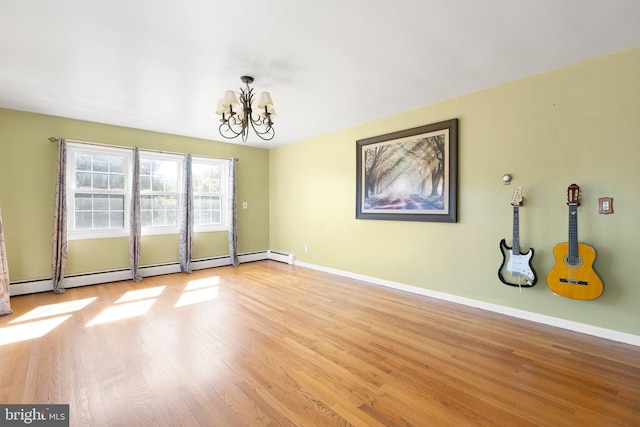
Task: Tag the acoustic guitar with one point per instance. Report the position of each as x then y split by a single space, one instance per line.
516 267
573 275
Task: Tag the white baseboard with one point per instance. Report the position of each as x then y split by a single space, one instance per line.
513 312
44 285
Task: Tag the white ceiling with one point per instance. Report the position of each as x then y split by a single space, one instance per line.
162 64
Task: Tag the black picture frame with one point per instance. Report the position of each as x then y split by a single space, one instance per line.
409 175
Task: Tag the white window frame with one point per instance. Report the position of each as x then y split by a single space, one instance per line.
179 159
73 149
224 194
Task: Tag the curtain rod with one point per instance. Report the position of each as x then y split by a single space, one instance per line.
100 144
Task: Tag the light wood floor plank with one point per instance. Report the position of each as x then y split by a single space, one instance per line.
269 344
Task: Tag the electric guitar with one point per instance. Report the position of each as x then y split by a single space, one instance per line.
516 267
573 276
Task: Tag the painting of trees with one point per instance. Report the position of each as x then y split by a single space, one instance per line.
409 174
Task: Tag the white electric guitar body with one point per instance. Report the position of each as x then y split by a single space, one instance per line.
516 269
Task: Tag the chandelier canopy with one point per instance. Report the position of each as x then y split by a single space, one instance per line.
238 114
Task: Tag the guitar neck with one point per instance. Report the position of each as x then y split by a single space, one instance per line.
573 234
516 230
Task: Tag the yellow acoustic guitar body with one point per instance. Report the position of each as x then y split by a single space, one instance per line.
577 280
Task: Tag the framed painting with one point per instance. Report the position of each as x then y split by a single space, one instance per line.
410 175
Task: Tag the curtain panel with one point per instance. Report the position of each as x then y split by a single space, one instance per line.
185 242
135 235
5 304
59 238
233 214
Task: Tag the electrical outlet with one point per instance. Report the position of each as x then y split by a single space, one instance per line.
245 205
306 248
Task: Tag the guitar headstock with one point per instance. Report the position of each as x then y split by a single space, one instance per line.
516 200
573 195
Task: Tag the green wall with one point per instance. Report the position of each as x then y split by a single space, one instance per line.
579 124
27 176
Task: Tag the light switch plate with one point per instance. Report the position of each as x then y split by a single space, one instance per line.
605 205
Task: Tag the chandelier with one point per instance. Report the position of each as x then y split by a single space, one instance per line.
238 115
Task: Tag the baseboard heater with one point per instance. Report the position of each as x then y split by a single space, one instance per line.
282 257
95 278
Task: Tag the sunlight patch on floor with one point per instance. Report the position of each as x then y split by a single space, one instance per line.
199 290
54 309
141 294
122 311
131 304
200 295
27 331
202 283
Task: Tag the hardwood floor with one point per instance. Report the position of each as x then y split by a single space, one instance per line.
269 344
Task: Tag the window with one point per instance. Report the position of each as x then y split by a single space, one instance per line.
98 183
209 194
160 184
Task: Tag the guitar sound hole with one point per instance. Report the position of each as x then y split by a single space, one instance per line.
573 262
